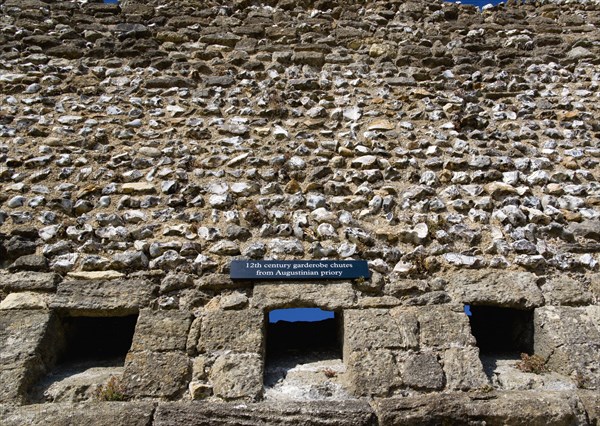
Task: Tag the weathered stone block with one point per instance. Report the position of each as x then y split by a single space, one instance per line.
595 286
13 383
156 374
423 371
106 297
315 59
286 295
442 327
565 291
24 300
239 331
161 331
191 346
501 408
377 328
95 275
24 351
488 287
89 413
569 339
30 262
591 402
402 287
199 390
201 367
463 369
288 413
29 281
237 376
372 372
234 301
21 333
83 386
408 323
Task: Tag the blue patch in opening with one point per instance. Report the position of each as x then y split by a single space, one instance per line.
468 310
478 3
300 314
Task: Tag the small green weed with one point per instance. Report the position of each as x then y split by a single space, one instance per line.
112 390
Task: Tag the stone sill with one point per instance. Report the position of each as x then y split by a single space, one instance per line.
493 408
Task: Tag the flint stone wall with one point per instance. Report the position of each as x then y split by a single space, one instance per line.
143 146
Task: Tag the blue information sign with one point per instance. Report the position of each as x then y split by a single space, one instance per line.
299 269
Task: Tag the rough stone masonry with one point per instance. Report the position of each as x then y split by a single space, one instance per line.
147 144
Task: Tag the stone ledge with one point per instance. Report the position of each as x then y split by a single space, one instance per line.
494 408
28 281
90 414
322 413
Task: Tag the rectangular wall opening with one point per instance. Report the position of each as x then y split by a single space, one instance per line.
502 331
311 332
97 340
304 354
86 353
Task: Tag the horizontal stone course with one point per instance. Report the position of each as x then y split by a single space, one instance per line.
495 408
118 297
317 413
95 413
518 408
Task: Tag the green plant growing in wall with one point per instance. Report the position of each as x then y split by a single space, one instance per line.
112 390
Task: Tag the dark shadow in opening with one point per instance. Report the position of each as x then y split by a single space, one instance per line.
502 332
290 343
97 339
290 338
76 344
